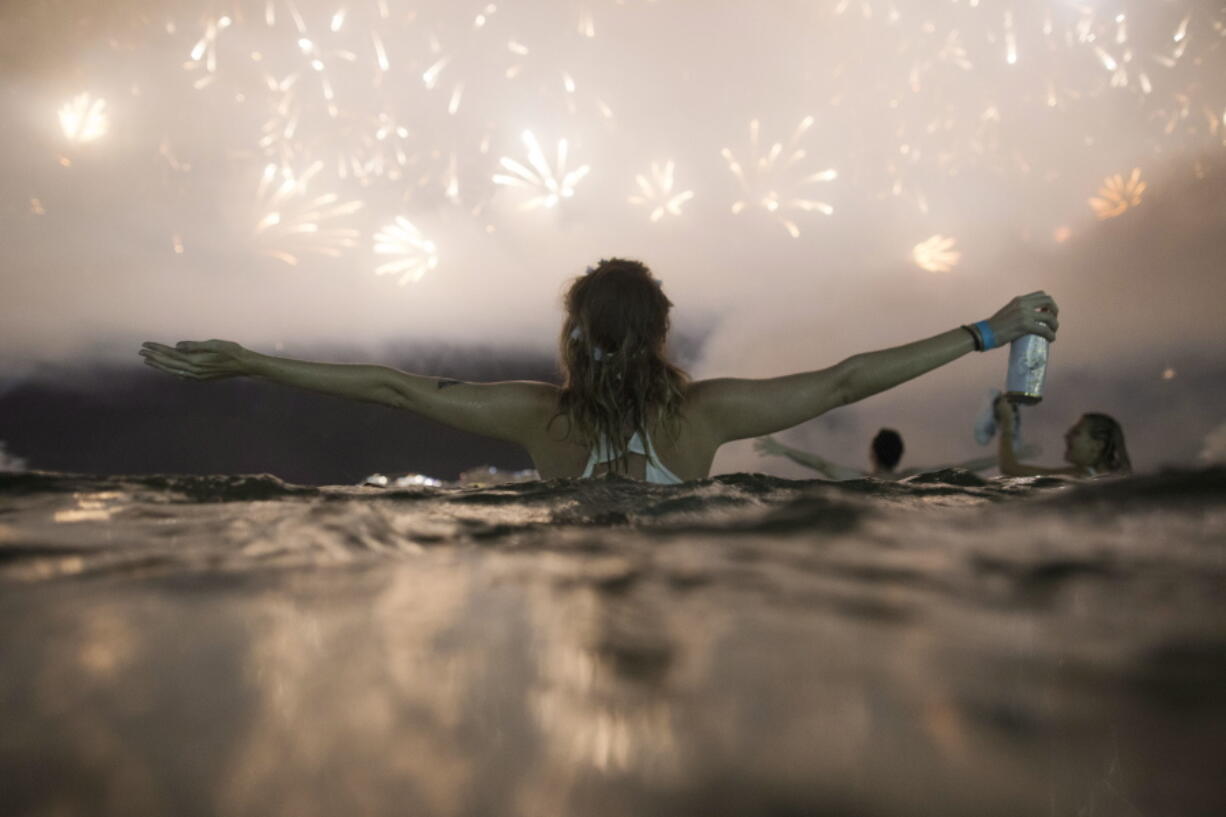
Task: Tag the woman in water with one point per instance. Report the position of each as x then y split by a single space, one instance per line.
623 407
1093 446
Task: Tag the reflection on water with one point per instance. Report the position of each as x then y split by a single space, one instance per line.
746 645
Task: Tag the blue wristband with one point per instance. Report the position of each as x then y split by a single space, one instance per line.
989 337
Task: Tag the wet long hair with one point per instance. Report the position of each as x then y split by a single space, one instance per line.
616 375
1114 456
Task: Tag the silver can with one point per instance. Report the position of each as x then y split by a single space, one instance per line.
1027 369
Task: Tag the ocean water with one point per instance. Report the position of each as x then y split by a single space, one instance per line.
745 645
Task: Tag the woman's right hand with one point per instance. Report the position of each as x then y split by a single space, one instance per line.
196 360
1033 314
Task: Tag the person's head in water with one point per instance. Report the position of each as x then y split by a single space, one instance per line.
616 376
1096 441
886 450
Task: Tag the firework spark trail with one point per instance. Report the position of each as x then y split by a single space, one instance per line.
444 62
957 91
936 254
771 172
1128 66
551 184
291 225
454 70
204 52
658 192
1118 195
362 139
84 118
413 254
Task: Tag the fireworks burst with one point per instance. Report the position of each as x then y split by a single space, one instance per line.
1129 67
448 68
278 131
658 192
204 52
413 255
437 74
292 225
447 72
936 254
774 171
84 119
357 144
1118 195
552 184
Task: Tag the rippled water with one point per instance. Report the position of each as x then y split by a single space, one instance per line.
740 646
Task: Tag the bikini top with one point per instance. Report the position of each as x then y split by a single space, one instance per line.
657 473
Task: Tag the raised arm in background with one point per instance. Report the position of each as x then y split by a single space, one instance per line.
830 470
1009 464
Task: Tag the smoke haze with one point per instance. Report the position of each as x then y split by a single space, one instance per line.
993 124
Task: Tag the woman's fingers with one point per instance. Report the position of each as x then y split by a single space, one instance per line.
171 370
180 365
1034 313
159 347
187 358
167 358
1043 319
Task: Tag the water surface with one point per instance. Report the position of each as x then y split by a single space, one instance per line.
739 646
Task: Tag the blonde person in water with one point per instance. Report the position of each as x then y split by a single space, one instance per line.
1093 446
622 408
883 456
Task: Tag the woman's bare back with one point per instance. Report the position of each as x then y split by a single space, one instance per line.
682 447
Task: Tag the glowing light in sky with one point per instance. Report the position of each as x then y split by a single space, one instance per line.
917 105
1118 195
291 225
411 254
84 119
1128 66
936 254
551 184
869 10
477 58
658 192
770 180
204 52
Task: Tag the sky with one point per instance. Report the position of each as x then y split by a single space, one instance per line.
809 180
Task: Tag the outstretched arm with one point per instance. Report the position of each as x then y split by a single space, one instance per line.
828 469
1009 465
735 408
510 411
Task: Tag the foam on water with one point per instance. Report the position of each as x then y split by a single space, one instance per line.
742 645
